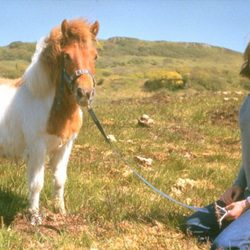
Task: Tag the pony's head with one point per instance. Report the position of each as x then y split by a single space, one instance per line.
245 70
70 56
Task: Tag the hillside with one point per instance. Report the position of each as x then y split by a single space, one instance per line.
123 61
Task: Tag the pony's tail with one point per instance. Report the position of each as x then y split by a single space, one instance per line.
245 69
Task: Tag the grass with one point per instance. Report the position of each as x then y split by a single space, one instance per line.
195 137
194 144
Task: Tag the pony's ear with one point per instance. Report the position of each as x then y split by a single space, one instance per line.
64 28
245 69
94 28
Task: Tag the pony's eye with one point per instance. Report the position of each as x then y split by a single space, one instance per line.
96 56
67 57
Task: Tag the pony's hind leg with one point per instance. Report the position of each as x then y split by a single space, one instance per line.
59 163
36 159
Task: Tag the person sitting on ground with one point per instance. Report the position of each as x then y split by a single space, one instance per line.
234 233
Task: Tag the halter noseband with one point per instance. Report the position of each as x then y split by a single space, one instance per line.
70 79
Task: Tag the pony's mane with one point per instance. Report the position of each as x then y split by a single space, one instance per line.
35 77
44 71
245 70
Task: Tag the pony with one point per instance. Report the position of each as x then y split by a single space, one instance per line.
41 115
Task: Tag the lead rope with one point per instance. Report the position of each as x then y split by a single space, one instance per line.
116 150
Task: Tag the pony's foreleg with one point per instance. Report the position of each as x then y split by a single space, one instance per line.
59 163
36 160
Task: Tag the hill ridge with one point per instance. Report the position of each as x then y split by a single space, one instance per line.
209 66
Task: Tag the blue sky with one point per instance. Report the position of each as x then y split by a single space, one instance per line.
224 23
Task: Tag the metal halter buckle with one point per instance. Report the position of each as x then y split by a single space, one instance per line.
80 72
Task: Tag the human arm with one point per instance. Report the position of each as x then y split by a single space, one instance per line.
235 209
232 194
235 192
241 180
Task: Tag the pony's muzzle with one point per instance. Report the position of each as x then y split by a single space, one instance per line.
84 97
85 89
80 93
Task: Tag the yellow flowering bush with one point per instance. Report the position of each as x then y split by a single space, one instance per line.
164 79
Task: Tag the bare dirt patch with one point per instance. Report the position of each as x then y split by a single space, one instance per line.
162 98
226 115
52 224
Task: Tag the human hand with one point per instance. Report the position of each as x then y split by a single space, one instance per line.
231 195
235 209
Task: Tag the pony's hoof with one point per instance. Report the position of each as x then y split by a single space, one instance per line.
62 211
59 207
35 217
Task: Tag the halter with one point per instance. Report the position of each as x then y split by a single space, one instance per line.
70 79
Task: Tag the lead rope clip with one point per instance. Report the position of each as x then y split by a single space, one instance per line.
221 213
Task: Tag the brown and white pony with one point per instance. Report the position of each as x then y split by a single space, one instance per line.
41 115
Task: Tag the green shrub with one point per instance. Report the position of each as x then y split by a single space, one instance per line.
207 79
12 69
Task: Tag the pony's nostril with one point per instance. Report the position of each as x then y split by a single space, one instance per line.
80 93
88 94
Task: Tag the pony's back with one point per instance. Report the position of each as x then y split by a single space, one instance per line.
24 108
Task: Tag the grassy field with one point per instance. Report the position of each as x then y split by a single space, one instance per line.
195 147
194 144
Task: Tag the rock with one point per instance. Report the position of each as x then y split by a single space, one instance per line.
146 161
145 117
238 92
145 121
